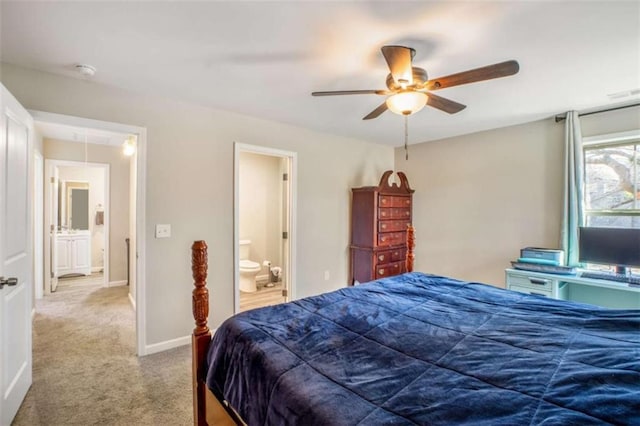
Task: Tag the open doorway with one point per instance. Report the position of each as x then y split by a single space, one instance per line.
264 236
93 207
77 208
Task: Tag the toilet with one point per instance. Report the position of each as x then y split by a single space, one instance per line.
248 269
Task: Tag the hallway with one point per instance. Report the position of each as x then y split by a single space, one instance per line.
85 370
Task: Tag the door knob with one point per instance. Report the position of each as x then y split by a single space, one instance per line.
8 281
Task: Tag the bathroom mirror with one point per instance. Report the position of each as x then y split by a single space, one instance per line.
74 212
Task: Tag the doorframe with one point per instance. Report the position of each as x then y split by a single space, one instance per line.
50 164
38 225
293 196
141 178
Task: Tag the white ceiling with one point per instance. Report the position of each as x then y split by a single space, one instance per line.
265 58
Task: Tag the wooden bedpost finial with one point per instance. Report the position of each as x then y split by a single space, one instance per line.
411 244
200 293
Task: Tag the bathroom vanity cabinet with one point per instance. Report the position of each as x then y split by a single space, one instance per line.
73 252
379 219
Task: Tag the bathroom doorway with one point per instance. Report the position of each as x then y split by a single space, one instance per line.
264 226
78 220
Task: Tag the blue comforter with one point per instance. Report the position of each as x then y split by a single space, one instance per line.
422 349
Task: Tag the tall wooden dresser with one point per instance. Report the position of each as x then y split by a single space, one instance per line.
379 218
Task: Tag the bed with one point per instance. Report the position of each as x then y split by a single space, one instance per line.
416 349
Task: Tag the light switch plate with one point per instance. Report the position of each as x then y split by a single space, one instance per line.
163 231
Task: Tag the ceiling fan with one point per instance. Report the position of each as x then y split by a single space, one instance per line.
409 89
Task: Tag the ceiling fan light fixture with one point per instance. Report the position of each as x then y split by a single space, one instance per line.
407 103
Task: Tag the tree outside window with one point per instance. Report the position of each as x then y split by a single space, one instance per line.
612 185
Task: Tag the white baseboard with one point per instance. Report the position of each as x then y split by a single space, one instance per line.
117 283
97 269
170 344
166 345
133 302
262 277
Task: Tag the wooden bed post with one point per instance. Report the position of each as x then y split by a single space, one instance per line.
201 334
411 244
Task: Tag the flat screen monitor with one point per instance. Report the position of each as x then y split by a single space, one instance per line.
610 246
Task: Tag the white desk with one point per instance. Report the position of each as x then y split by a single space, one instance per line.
610 294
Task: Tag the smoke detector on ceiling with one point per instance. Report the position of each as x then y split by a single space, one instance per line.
86 70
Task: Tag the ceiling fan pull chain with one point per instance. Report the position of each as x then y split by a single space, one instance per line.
406 137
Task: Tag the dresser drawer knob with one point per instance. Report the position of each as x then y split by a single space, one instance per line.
381 257
380 271
383 226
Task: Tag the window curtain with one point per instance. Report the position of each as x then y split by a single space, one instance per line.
573 211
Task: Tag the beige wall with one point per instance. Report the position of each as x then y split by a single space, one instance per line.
480 198
118 194
190 186
260 204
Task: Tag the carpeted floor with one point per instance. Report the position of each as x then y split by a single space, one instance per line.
85 371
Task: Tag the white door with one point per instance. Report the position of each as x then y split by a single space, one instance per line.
286 228
16 258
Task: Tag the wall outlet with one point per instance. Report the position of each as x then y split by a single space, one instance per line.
327 275
163 231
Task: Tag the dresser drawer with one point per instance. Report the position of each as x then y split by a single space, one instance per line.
540 284
388 256
398 254
394 201
390 269
391 238
394 213
529 290
383 257
392 225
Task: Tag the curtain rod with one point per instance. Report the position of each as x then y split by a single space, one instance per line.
560 118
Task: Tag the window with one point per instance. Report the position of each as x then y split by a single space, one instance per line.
612 181
612 184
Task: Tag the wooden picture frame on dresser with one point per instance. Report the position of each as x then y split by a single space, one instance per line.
380 216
